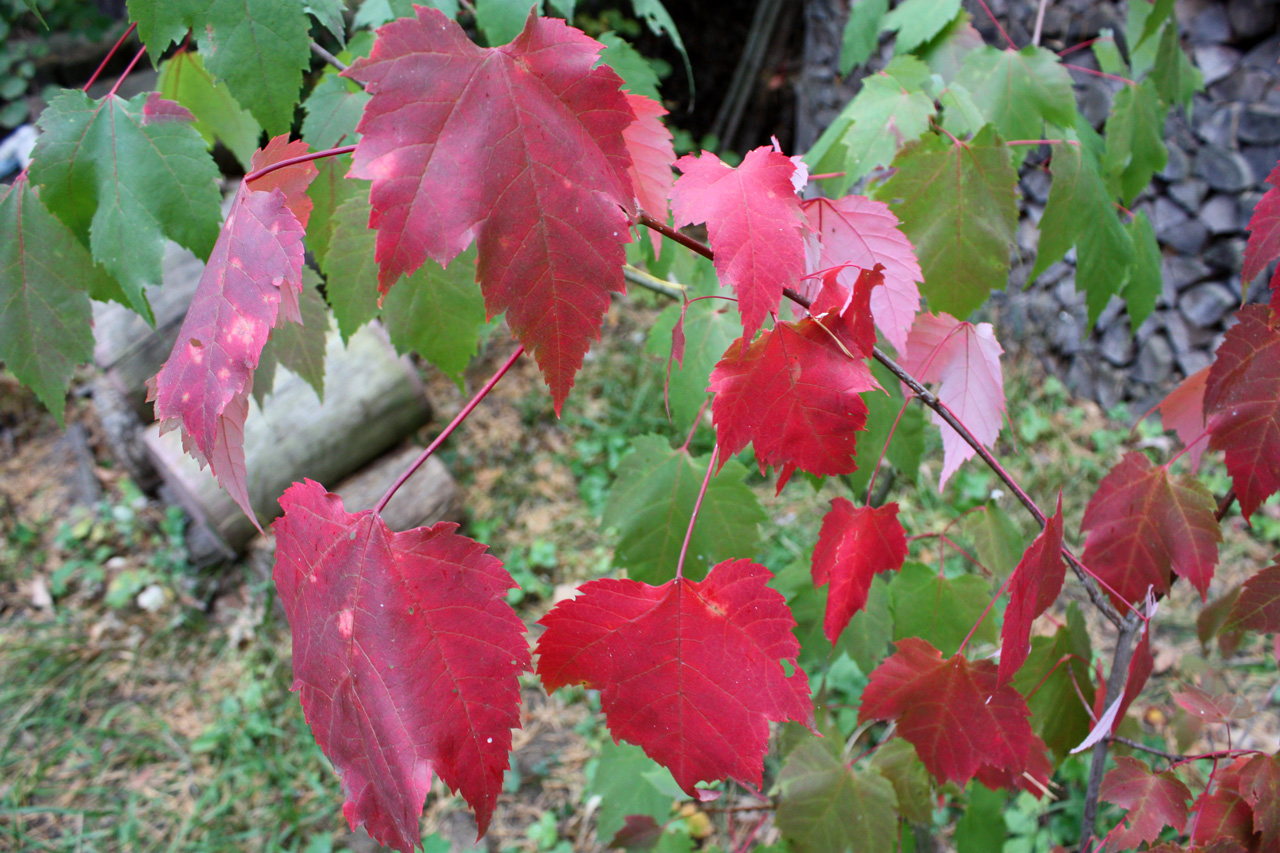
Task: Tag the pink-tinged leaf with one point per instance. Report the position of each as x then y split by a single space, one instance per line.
253 276
754 223
157 110
855 544
406 654
953 712
848 310
689 671
652 153
1213 708
1224 812
1259 784
519 147
965 359
1242 405
1154 801
1264 237
1257 608
1183 412
859 231
793 394
1143 523
294 181
1033 588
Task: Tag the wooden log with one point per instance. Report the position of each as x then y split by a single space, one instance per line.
372 401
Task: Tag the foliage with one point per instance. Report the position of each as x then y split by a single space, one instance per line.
406 650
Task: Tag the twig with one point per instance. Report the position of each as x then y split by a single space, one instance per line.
1116 682
328 57
1170 756
651 282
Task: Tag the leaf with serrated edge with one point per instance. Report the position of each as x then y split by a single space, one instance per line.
689 671
861 33
649 144
1182 411
1264 237
1258 606
300 347
184 80
1242 405
1135 139
1019 90
938 609
917 21
1033 589
854 545
959 209
825 806
406 655
1142 524
438 313
624 790
349 267
652 501
1154 801
502 122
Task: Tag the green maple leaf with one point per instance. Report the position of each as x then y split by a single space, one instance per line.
638 76
939 609
946 51
866 638
861 32
958 206
982 826
327 192
333 110
1175 78
260 48
1057 714
301 347
651 503
330 15
502 20
1145 283
46 320
349 269
162 22
1080 212
1135 140
917 21
126 182
997 541
630 782
889 111
184 79
1019 90
825 806
906 447
438 312
897 761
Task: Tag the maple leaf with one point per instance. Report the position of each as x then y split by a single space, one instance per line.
254 275
826 806
1183 412
649 144
1059 694
861 232
689 671
123 181
939 609
1142 524
1224 811
1154 801
1033 588
502 123
1217 708
218 116
1242 405
706 329
959 209
854 545
754 224
965 359
1264 237
1019 90
792 394
1257 608
1135 139
406 655
1259 784
918 21
46 279
953 712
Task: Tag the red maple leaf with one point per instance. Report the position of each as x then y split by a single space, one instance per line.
1257 608
1224 812
1142 524
1242 405
953 712
519 147
1033 588
649 144
254 275
1154 801
689 671
1183 412
854 545
861 232
754 223
793 394
1213 707
1259 784
406 654
1264 238
965 358
848 309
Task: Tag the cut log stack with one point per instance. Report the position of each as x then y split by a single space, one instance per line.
354 441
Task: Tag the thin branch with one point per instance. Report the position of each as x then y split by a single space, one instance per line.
1170 756
1039 28
447 431
1224 505
93 78
328 57
652 282
1096 73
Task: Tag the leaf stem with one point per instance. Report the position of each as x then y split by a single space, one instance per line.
693 519
697 422
1082 45
1039 28
1043 142
141 52
884 451
447 431
330 58
995 21
93 78
303 158
1095 73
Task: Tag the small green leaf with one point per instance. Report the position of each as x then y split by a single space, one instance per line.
982 828
1135 140
1145 282
651 503
906 448
333 110
866 638
621 783
46 321
1057 714
1175 78
438 312
1018 91
329 13
638 76
897 761
162 22
502 20
658 20
861 32
1157 12
945 53
329 190
351 275
958 206
996 538
183 79
917 21
826 807
301 348
1108 55
938 609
